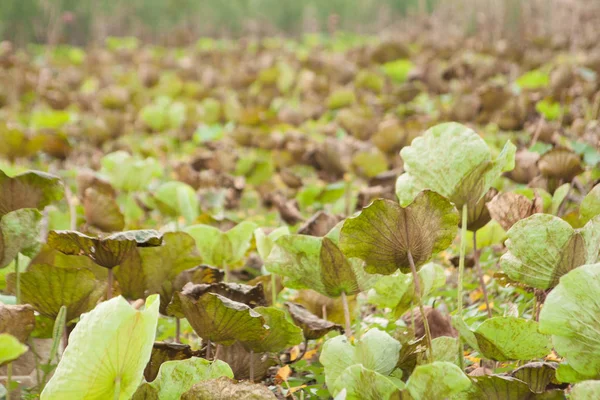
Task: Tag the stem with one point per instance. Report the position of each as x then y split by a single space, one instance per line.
412 319
8 380
348 197
36 358
251 365
117 392
109 287
18 279
177 330
461 273
346 315
324 311
480 275
273 290
217 351
227 274
208 349
417 283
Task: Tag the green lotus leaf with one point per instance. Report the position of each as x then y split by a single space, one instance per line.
10 348
312 326
48 288
225 388
360 383
163 352
453 161
220 320
384 232
590 205
566 373
397 291
500 387
265 243
176 377
436 381
32 189
107 252
542 248
155 269
176 199
538 375
129 173
19 233
107 352
587 390
222 248
570 316
443 349
282 333
309 262
511 338
376 351
17 320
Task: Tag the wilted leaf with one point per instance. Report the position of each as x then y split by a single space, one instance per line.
560 163
498 387
107 252
312 326
570 316
282 333
19 233
163 352
227 389
509 208
218 319
239 359
542 248
32 189
384 232
538 375
102 211
48 288
116 341
17 320
177 377
155 269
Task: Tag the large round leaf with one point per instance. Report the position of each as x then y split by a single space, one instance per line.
570 315
221 320
19 233
542 248
587 390
176 377
155 269
219 248
10 348
282 333
454 161
360 383
48 288
312 326
511 338
32 189
376 351
437 380
107 252
309 262
384 232
107 353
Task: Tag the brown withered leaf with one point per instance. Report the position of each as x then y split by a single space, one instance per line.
526 168
319 224
509 208
239 360
560 163
101 210
17 320
439 324
478 215
162 352
312 326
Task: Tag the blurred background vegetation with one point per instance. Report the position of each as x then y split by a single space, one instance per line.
183 21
